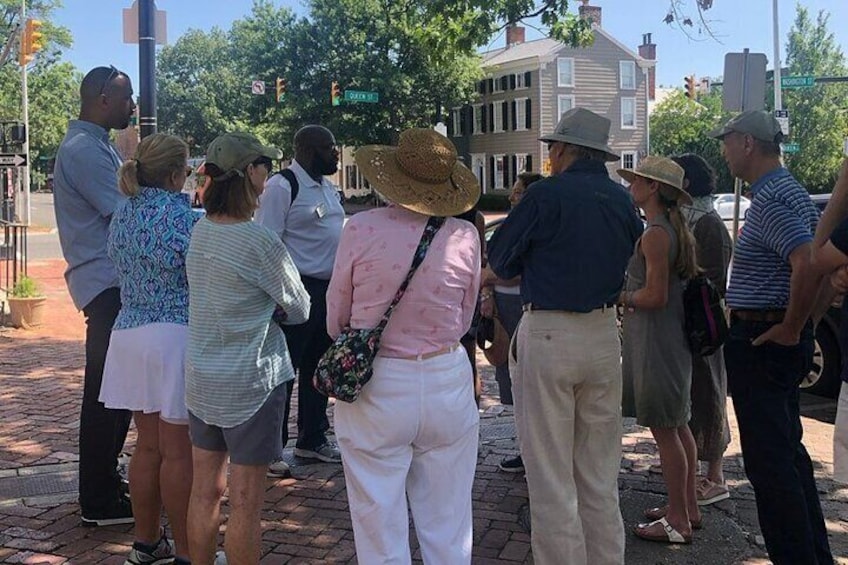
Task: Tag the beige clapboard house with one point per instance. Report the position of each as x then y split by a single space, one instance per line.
529 85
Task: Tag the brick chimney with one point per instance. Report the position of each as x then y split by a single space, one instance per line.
592 13
514 35
648 50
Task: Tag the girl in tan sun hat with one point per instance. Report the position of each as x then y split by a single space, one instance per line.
656 359
412 433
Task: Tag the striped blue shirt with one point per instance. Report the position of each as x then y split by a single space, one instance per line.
237 274
781 218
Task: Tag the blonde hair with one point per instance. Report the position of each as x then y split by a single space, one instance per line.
156 157
686 264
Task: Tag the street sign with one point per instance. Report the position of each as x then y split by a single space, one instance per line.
257 87
782 117
790 147
13 160
361 96
797 82
131 25
744 85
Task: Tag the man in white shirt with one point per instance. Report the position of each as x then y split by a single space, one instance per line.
310 226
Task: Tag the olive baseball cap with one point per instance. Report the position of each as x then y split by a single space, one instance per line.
233 152
759 124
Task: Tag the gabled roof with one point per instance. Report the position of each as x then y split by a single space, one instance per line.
544 48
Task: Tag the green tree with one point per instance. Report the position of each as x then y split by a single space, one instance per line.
819 115
680 125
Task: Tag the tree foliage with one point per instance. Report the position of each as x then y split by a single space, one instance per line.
819 115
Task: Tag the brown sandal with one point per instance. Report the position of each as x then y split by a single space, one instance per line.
660 511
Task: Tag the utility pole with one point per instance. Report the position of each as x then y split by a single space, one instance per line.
147 67
778 99
25 111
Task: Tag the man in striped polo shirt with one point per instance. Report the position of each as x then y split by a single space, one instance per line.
770 346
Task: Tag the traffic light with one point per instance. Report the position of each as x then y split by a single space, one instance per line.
691 91
32 41
335 95
281 89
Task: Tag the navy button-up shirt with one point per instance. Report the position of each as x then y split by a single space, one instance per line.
569 238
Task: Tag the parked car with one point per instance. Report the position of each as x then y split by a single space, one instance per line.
723 204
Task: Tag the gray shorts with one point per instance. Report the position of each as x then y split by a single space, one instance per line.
257 441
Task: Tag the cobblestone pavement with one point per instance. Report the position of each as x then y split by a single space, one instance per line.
305 518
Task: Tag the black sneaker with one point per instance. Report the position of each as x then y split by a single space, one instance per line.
512 464
119 513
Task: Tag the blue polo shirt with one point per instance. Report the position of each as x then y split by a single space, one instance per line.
570 238
85 193
781 217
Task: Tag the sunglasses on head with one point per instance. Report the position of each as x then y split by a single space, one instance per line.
114 73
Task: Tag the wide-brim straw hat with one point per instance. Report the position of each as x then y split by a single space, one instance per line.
493 340
422 173
585 128
663 170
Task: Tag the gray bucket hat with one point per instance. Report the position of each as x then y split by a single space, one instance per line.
581 127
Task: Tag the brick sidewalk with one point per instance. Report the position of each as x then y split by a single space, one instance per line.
305 519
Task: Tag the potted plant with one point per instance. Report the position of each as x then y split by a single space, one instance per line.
26 304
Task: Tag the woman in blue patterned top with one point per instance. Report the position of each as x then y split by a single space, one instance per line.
144 371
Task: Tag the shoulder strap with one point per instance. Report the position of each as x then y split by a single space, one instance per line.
430 230
289 175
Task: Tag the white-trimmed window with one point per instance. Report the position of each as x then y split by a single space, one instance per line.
478 167
628 112
500 172
456 119
477 126
627 75
520 164
565 102
520 81
565 71
498 85
497 115
628 160
520 113
351 177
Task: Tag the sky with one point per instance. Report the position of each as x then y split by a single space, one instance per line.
96 26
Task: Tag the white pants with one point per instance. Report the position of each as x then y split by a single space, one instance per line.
567 392
840 438
411 433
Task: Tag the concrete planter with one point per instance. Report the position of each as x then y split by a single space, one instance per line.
26 313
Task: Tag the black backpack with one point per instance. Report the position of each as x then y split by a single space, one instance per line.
706 324
289 175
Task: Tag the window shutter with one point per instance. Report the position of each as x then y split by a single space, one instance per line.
491 85
491 117
504 82
512 82
529 165
527 79
505 112
514 115
513 170
450 123
527 119
481 88
505 170
491 172
484 122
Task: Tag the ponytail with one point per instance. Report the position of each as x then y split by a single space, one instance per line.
686 263
128 177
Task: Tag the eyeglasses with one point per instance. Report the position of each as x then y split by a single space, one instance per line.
115 72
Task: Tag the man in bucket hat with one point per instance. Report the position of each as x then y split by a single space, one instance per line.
570 238
770 346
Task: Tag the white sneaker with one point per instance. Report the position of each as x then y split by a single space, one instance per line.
278 470
220 558
328 453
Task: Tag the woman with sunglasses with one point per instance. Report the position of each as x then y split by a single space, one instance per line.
144 371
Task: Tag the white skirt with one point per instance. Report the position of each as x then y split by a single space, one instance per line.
840 438
145 371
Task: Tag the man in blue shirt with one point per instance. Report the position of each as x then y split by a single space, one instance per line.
770 346
570 238
85 195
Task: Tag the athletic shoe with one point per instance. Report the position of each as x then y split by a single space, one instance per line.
162 554
709 492
512 464
220 558
119 513
328 453
278 470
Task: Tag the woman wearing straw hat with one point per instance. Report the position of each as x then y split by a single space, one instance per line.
656 359
412 433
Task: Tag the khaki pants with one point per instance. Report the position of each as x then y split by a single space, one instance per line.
567 390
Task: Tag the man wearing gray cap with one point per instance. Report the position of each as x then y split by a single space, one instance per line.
570 238
770 346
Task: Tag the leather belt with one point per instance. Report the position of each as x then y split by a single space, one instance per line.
422 356
758 315
530 307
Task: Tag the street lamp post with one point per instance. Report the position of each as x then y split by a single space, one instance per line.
147 67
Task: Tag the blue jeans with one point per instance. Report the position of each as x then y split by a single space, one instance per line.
763 382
